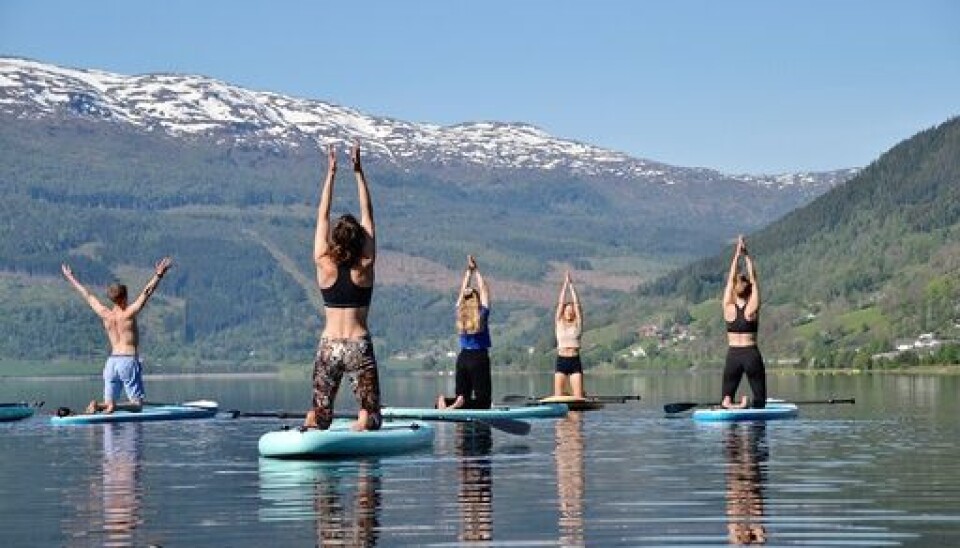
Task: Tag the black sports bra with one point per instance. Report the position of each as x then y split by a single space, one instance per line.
741 324
344 293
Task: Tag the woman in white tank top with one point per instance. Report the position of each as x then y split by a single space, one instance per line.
569 326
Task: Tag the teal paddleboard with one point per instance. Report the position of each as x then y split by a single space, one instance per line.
341 441
174 412
775 409
523 412
15 411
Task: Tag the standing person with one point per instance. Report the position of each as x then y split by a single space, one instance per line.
123 367
569 326
741 311
473 383
344 256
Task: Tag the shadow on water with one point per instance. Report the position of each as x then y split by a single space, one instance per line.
570 479
746 451
343 498
475 491
108 510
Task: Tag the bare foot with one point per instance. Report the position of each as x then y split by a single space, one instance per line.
310 421
728 404
441 402
361 424
92 407
109 408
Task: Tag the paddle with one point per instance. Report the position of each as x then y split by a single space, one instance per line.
614 399
518 398
202 404
680 407
510 426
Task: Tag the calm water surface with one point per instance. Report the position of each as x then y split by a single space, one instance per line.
884 472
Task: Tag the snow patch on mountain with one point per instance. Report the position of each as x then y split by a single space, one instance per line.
191 106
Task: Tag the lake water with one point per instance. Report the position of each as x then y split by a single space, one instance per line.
883 472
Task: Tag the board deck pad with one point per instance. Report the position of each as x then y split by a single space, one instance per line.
775 409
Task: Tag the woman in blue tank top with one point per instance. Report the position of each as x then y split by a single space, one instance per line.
473 382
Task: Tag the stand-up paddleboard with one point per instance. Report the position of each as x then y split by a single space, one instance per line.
775 409
203 409
548 411
574 404
15 411
341 441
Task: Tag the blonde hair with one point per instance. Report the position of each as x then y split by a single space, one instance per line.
468 313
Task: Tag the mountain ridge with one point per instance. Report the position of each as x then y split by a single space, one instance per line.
186 105
236 208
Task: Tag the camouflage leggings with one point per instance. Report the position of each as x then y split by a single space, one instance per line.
336 357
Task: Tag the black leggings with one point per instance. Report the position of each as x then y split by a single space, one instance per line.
745 359
473 378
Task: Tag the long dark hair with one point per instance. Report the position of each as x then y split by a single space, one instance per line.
346 241
743 287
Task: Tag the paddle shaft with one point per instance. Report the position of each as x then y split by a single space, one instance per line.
517 398
680 407
510 426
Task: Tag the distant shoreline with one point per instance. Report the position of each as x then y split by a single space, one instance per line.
507 372
152 377
910 370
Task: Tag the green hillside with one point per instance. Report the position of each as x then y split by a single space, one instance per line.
871 262
238 219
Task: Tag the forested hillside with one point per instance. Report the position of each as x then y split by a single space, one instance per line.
238 220
869 263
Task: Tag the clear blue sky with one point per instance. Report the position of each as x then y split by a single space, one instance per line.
741 86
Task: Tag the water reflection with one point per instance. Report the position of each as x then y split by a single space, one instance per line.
745 448
570 478
474 444
111 506
318 490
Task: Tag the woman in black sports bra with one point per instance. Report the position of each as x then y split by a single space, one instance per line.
741 311
344 256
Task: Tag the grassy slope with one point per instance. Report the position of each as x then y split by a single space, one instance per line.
871 261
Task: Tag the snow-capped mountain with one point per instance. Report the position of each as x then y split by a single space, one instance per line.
196 106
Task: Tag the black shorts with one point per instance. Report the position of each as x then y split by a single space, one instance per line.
568 365
473 378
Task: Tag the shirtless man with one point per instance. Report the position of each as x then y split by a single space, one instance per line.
120 322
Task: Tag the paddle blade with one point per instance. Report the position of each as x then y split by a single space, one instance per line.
614 399
235 414
202 404
510 426
678 407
